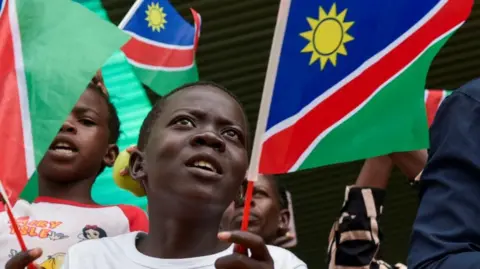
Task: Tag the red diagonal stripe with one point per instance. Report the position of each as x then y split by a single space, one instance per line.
434 98
13 171
282 150
156 56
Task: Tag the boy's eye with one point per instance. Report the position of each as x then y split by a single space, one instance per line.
260 193
184 122
232 134
87 122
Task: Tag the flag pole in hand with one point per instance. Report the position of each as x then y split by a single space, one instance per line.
8 208
270 77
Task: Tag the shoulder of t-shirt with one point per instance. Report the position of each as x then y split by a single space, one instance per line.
99 246
137 218
84 249
285 258
76 254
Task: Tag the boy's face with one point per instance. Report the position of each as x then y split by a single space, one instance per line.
196 152
81 145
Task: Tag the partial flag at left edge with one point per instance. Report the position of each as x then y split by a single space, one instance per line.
49 51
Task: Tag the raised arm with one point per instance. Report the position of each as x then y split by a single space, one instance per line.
355 238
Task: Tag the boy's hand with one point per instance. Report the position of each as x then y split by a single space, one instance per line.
23 259
260 257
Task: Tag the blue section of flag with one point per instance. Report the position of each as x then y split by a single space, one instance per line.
2 6
376 25
177 31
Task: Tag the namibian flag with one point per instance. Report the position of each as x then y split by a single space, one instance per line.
49 51
163 45
346 79
433 100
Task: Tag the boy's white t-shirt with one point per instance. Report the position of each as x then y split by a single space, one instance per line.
120 252
55 225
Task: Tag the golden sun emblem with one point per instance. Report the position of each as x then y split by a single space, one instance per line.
156 17
328 36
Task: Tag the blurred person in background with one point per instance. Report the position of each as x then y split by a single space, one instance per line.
271 214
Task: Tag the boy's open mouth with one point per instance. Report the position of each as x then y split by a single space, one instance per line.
63 148
205 163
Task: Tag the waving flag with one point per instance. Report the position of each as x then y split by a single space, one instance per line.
433 100
162 50
346 78
47 58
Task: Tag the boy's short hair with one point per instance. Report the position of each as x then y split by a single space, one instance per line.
157 109
97 84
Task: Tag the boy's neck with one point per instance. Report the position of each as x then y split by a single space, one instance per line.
77 191
178 238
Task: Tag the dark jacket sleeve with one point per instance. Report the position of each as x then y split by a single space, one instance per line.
446 232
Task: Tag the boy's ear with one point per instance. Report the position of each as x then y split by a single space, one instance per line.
284 221
111 155
137 166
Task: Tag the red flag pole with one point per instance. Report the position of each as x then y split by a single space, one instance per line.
8 208
246 214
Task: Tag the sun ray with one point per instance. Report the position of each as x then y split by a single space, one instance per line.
333 11
333 59
347 25
327 37
323 62
342 50
307 35
308 48
313 58
313 22
341 16
321 14
347 38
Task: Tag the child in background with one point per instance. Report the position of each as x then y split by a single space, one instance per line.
65 213
192 166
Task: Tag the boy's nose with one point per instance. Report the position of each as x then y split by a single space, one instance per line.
68 127
209 139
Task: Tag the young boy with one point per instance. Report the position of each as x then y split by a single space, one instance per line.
64 213
192 168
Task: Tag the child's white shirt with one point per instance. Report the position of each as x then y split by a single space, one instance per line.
120 252
55 225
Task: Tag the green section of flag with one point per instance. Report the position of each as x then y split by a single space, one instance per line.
63 46
399 105
30 192
163 82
